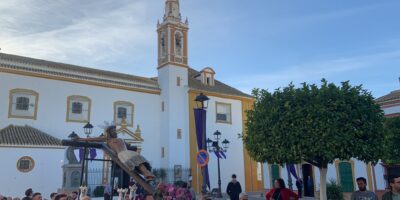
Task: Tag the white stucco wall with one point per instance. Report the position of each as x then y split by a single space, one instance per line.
175 116
234 164
46 176
52 108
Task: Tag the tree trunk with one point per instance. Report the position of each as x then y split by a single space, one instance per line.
322 181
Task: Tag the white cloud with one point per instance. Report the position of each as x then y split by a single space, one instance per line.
79 32
312 72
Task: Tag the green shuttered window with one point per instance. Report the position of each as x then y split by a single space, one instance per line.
346 176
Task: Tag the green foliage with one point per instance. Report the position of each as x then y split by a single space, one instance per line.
98 191
392 141
314 124
334 191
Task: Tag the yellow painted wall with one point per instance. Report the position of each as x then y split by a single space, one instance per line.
250 166
251 182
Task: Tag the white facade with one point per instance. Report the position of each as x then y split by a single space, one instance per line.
234 163
160 107
45 177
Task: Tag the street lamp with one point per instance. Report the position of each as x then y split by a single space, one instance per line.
200 121
73 135
202 101
88 129
215 147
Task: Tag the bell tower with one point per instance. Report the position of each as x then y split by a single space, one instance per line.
172 37
173 82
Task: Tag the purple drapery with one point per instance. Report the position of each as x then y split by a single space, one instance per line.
81 152
92 153
200 122
292 170
222 154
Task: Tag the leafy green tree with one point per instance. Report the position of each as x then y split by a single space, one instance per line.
392 141
317 124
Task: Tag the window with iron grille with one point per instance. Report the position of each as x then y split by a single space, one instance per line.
122 112
22 103
77 107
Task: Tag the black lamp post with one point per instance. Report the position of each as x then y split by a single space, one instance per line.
202 104
202 101
213 146
87 130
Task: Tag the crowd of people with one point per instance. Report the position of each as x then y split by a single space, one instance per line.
31 195
280 192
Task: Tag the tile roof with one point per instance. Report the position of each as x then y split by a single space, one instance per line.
27 136
218 86
391 96
57 69
76 72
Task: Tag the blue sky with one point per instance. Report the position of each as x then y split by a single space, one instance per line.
254 43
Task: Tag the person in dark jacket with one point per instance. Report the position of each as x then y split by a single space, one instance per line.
299 185
394 192
28 194
234 189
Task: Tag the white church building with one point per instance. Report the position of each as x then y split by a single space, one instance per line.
42 102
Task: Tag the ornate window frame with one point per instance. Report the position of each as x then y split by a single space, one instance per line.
27 92
69 107
126 103
31 164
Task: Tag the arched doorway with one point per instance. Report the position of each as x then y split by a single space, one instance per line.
308 179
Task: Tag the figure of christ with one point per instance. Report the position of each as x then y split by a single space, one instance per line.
129 157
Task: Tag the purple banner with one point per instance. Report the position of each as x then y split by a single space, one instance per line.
93 153
200 122
217 154
81 152
292 170
222 154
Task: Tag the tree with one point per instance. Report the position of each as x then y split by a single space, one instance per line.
392 141
316 125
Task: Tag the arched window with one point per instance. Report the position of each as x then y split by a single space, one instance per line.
163 45
178 44
75 179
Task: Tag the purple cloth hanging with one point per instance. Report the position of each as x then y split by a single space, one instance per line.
93 153
217 154
81 154
200 123
222 154
292 170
